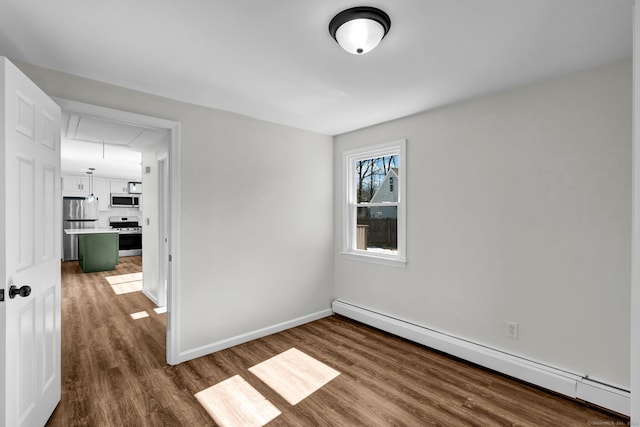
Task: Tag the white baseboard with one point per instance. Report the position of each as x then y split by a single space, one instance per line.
152 297
559 381
605 396
240 339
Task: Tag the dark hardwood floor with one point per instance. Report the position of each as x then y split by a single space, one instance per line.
114 373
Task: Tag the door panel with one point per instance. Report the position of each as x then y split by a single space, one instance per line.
49 131
49 339
26 363
26 212
25 121
49 228
30 384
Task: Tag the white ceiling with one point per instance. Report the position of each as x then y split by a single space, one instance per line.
111 147
274 60
82 127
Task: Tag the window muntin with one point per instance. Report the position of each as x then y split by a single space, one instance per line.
374 214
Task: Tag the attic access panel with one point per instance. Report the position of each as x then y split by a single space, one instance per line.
92 129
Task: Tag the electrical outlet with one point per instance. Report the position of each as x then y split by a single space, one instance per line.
512 330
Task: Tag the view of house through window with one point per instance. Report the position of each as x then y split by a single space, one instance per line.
377 204
374 214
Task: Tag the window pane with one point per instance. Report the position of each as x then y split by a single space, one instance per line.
377 229
377 179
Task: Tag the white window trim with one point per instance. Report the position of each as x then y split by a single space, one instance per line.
348 199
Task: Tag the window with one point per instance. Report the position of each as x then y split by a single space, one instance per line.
374 227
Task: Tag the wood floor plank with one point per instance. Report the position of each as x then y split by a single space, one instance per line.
114 373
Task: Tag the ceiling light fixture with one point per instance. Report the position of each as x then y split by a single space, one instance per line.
90 173
359 30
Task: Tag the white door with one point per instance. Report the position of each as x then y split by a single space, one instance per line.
30 228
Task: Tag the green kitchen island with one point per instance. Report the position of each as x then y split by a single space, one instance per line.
97 249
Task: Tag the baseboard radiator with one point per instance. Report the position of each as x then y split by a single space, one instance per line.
559 381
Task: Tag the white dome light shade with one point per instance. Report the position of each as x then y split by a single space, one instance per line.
358 30
359 36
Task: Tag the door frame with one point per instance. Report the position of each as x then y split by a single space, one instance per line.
635 222
162 163
173 279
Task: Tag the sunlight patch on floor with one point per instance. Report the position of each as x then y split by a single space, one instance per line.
160 310
125 288
294 375
124 278
234 402
139 315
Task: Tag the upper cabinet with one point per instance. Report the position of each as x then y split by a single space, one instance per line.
75 186
119 186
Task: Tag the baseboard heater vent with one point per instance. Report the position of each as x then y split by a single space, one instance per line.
559 381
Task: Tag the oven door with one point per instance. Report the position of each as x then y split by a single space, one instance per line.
130 243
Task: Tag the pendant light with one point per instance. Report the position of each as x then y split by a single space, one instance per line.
90 173
358 30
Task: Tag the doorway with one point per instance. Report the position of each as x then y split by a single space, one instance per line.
165 269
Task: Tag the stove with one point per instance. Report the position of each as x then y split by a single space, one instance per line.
128 229
130 234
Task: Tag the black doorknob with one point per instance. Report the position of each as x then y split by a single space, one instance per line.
23 291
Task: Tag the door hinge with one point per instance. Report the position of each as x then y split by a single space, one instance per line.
1 295
170 259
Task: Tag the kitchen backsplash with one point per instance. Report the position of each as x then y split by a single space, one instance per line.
103 216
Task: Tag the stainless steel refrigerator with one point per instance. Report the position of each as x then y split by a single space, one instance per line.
77 213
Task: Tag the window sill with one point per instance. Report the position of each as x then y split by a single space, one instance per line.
373 258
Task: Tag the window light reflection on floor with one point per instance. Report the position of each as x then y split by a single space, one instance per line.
124 278
292 374
125 283
139 315
125 288
234 402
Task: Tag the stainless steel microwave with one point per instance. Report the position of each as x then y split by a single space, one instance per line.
125 200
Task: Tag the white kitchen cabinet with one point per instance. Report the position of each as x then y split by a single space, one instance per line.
75 186
102 190
119 186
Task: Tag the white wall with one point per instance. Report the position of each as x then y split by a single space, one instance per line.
518 208
256 198
257 209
